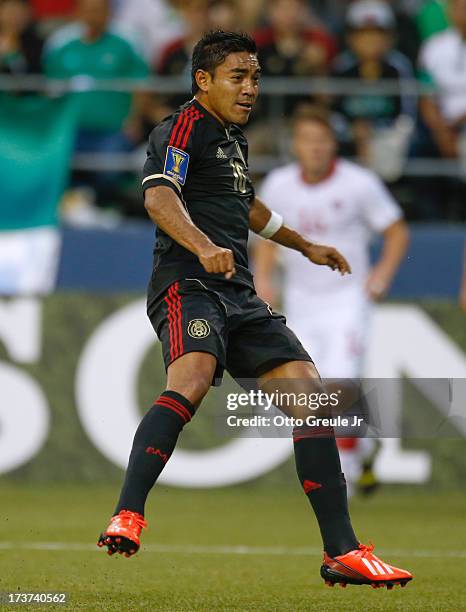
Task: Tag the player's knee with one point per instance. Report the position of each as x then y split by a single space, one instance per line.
193 388
192 376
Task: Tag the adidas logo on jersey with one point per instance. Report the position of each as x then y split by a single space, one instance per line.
220 154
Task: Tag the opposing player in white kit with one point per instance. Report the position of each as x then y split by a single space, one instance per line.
331 201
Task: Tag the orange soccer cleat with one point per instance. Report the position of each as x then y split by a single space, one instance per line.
361 566
122 535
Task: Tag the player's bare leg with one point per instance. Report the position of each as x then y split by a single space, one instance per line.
188 380
346 561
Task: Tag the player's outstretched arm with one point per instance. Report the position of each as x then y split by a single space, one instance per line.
261 221
167 211
395 245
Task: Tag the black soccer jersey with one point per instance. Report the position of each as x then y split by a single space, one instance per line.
205 163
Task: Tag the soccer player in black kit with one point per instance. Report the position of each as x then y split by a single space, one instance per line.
203 306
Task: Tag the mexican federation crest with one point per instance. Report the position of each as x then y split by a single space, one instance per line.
198 328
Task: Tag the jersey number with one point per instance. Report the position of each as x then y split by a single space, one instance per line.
240 176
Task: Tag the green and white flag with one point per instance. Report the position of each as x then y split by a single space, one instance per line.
36 143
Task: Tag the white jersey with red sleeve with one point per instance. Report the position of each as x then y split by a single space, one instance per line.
343 210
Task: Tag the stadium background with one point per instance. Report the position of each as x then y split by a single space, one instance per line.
251 546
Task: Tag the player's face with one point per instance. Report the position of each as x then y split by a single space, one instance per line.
234 88
314 146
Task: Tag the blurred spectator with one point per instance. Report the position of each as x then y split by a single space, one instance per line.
20 45
372 58
331 12
291 45
108 120
198 16
53 9
407 38
176 55
432 18
151 22
251 12
443 65
223 15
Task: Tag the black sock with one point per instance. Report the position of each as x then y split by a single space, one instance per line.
319 470
153 444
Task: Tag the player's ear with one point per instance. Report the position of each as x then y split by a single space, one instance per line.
203 79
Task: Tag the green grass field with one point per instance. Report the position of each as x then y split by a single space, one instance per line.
245 548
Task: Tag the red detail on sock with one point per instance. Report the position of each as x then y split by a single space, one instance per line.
150 450
177 404
309 485
314 432
169 402
178 412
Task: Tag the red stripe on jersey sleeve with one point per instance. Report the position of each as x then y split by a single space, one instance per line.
176 128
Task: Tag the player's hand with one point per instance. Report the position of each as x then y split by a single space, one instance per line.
217 260
327 256
378 283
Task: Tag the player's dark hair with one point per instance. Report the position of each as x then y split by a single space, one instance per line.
214 47
315 114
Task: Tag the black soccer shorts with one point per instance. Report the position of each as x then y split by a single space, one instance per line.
227 320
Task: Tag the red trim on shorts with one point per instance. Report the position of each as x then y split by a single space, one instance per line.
170 323
175 316
172 327
176 339
179 313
